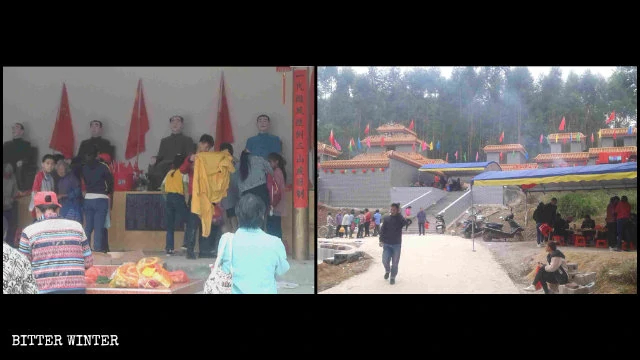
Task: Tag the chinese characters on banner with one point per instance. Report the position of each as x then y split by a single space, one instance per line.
300 140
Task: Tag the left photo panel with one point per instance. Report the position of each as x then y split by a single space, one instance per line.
159 180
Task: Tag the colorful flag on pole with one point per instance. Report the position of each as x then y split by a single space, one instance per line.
501 137
592 138
350 148
411 125
331 138
456 155
600 134
526 155
501 156
570 137
578 137
562 123
464 156
477 155
447 158
424 146
630 131
615 135
359 144
62 138
564 140
369 142
366 130
336 145
556 138
438 145
541 138
611 117
431 146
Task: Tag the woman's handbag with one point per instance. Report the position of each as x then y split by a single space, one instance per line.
219 282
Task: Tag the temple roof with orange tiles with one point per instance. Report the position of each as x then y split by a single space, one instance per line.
574 137
575 156
593 152
512 167
504 148
395 139
381 159
395 128
327 149
606 133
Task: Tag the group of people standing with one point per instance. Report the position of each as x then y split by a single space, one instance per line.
346 222
66 193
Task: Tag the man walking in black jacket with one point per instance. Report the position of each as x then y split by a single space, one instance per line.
391 241
99 185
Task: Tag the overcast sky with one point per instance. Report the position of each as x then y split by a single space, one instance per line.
536 71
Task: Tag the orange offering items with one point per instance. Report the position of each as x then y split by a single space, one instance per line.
126 276
153 276
91 275
179 276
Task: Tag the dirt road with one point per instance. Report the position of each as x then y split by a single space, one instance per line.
432 264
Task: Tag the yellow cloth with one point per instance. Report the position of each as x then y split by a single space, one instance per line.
174 184
211 173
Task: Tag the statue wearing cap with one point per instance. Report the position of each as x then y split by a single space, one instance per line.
22 157
170 146
103 145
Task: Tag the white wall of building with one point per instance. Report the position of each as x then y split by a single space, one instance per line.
31 95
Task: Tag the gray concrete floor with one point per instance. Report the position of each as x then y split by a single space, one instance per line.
300 272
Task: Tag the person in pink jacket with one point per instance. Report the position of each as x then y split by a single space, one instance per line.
277 202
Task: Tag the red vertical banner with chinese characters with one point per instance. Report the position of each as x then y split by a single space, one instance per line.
300 139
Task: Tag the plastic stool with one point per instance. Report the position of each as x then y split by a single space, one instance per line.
627 245
558 239
580 241
601 244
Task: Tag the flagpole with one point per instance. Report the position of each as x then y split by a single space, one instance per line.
139 97
219 104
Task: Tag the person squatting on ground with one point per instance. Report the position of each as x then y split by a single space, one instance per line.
391 241
556 272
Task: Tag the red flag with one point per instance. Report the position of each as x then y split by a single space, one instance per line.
424 146
366 130
541 138
447 158
62 138
564 141
312 110
139 125
615 136
331 138
382 141
456 155
611 117
413 147
411 125
561 127
501 137
337 146
224 131
368 142
592 138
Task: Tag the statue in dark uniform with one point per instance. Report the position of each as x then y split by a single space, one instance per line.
22 156
103 145
174 144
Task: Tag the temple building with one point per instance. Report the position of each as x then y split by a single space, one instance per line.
367 179
326 152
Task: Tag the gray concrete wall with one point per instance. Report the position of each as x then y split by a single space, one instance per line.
556 147
488 195
493 157
516 158
402 175
405 196
578 146
369 190
630 141
606 142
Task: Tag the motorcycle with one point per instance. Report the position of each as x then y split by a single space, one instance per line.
473 225
440 225
495 231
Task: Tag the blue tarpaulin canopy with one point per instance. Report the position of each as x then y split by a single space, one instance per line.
593 177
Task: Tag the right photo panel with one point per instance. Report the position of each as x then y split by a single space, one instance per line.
476 180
